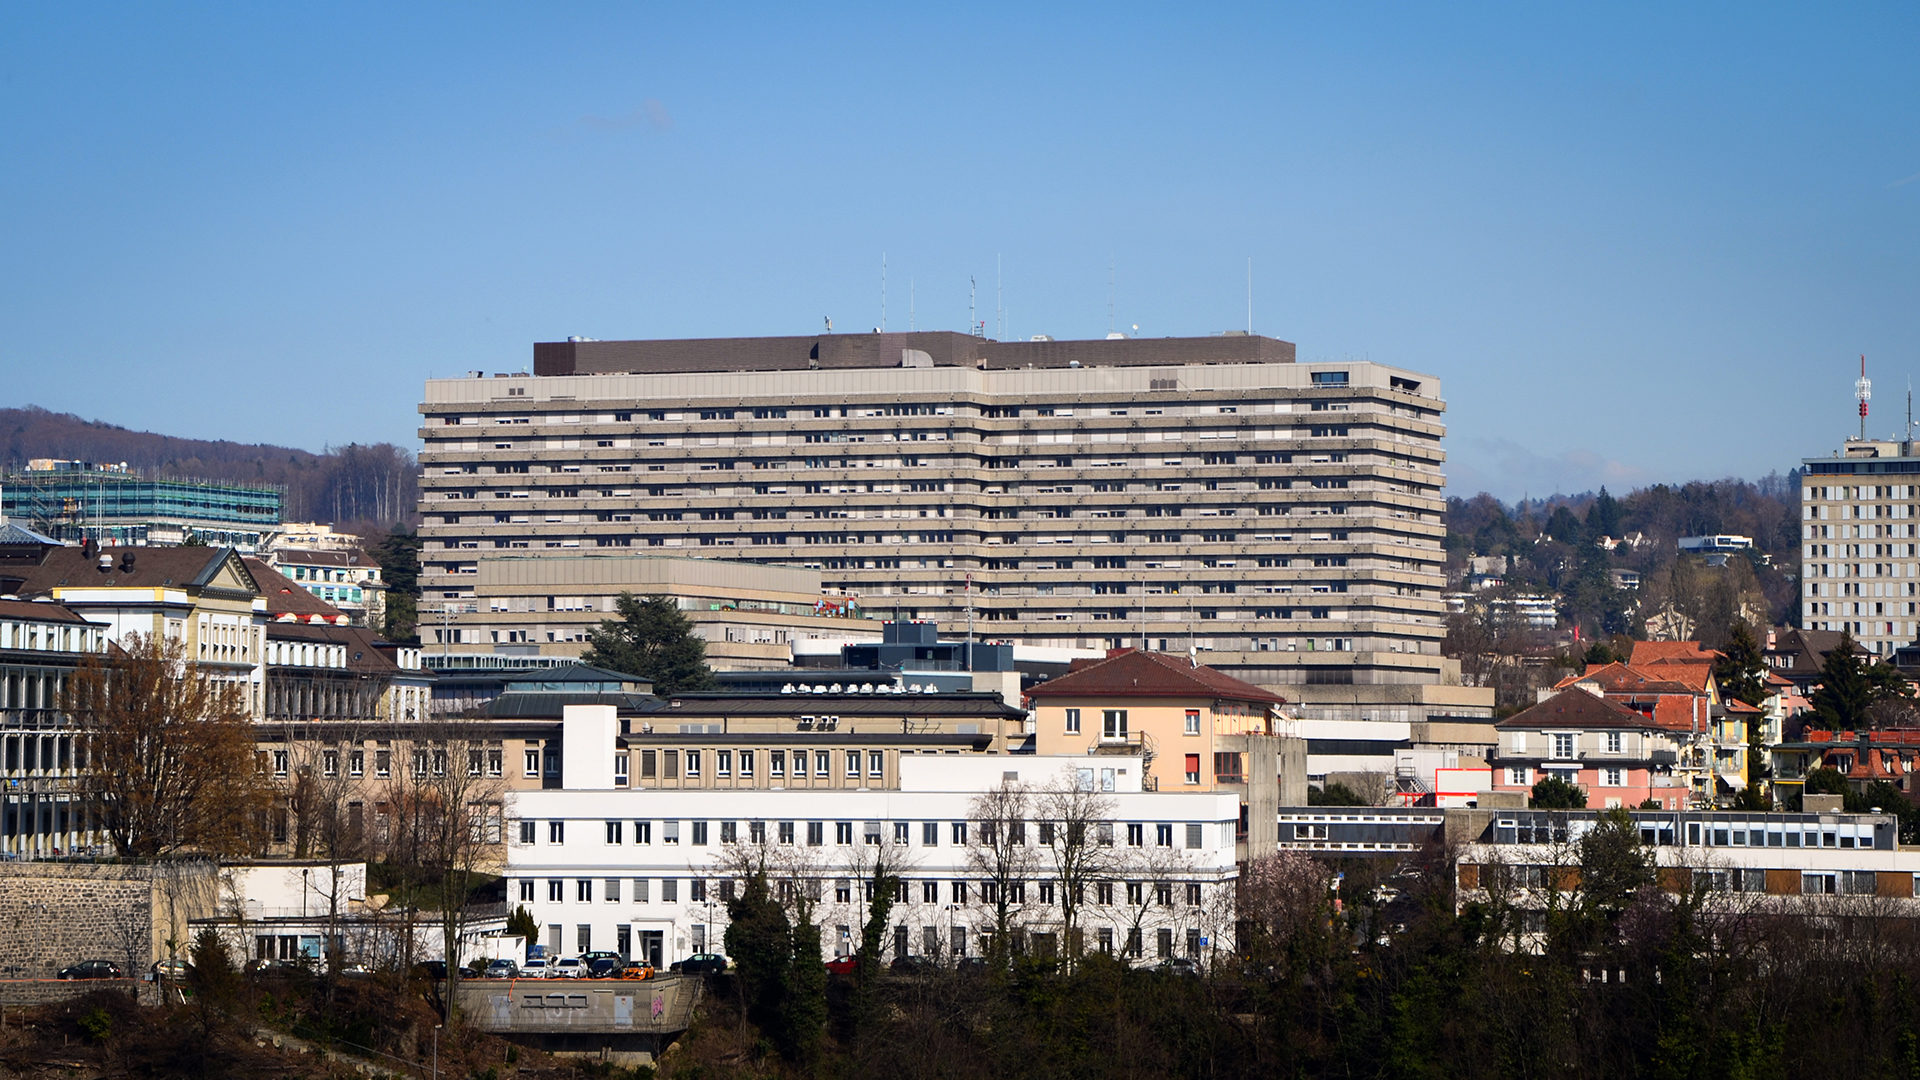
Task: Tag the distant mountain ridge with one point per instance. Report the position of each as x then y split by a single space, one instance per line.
375 484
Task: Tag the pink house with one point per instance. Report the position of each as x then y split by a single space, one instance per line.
1621 757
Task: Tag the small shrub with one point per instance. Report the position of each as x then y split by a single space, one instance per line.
97 1025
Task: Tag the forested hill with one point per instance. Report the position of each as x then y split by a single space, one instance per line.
1550 541
371 486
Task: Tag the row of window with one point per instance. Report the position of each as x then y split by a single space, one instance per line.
700 833
614 890
426 762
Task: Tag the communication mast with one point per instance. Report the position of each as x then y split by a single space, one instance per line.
1863 389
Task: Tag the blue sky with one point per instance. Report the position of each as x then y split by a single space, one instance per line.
1637 243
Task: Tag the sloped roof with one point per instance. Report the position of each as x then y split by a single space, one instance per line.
1659 652
13 533
1805 650
38 611
1576 709
1621 678
318 557
365 654
1150 674
573 673
130 567
287 600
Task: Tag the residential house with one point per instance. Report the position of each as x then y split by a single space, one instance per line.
1619 755
348 579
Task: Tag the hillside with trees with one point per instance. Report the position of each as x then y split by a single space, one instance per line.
366 487
1579 549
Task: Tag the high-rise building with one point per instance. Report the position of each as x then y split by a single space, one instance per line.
1207 493
1860 566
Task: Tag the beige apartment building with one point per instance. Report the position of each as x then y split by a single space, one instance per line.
545 603
1282 518
1859 556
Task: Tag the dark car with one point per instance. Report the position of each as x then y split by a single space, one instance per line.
704 963
431 969
1179 965
913 965
92 969
972 965
603 965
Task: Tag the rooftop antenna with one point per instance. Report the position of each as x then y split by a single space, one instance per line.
1863 389
973 327
999 302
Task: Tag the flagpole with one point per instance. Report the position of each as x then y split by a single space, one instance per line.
969 624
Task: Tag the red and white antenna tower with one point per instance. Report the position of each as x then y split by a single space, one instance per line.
1863 389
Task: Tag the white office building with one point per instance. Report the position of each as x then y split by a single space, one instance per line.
647 873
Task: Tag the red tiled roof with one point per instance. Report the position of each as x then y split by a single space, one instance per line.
1676 713
1662 652
1149 674
1576 709
1617 677
287 600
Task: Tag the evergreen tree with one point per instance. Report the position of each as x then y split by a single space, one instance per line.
1850 686
760 941
1553 793
1614 865
1740 670
399 558
651 639
1603 517
521 923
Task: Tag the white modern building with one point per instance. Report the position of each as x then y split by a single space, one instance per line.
647 873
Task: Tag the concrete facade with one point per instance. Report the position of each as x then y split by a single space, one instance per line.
1205 493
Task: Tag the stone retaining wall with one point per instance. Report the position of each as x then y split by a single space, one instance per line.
53 914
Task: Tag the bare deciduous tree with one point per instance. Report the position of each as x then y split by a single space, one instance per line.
1000 855
169 751
1076 832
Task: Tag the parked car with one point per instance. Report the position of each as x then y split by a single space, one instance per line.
844 965
913 965
637 969
1178 965
502 969
172 970
93 969
972 965
566 968
270 966
704 963
356 970
431 969
603 965
534 968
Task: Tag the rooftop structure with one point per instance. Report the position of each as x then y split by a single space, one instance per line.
74 501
